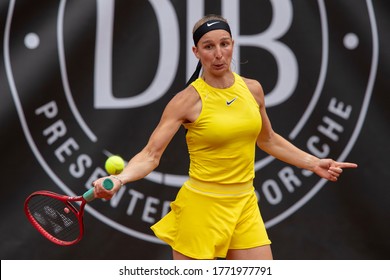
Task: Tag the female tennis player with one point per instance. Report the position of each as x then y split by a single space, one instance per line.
216 212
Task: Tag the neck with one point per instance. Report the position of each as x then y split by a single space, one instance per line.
223 81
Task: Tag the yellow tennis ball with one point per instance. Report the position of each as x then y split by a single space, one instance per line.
114 165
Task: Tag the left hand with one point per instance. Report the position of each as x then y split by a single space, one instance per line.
330 169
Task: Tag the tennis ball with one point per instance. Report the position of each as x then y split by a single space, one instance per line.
114 165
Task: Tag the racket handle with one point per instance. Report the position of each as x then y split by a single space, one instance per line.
89 195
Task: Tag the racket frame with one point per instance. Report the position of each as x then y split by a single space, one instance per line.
68 203
88 196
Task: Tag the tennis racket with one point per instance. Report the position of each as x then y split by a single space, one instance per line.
58 217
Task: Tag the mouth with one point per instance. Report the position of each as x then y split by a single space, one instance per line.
219 65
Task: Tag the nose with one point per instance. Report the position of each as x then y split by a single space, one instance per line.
218 52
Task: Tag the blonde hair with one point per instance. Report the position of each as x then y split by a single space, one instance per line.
207 18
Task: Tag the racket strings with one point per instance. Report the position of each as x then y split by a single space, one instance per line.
55 217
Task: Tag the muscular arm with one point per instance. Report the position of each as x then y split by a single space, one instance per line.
184 107
277 146
149 157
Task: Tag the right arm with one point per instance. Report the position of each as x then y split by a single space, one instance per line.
182 108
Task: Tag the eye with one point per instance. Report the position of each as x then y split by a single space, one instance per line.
225 44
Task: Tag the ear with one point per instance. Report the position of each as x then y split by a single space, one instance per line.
195 51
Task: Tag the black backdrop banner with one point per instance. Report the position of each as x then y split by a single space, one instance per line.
80 80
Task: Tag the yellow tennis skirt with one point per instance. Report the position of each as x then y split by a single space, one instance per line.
208 219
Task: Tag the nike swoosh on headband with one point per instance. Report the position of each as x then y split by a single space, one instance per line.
212 23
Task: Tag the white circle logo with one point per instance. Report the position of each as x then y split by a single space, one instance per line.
87 93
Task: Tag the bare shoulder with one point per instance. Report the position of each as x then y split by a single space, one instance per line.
186 96
256 89
186 105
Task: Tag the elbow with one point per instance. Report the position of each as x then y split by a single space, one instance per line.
265 140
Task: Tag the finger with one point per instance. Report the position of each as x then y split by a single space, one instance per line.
96 182
336 170
332 177
334 174
346 165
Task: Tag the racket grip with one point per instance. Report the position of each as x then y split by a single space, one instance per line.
89 195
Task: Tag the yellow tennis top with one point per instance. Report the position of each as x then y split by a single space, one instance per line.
222 141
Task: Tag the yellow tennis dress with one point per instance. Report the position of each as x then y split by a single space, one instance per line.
216 209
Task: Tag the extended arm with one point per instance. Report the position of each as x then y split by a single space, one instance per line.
182 108
280 148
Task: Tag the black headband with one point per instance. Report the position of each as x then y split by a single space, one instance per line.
199 32
209 26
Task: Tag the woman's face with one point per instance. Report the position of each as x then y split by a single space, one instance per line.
215 50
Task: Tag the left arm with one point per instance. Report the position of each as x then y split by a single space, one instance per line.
278 147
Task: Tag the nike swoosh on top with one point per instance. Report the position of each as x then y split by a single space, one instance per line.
231 101
212 23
